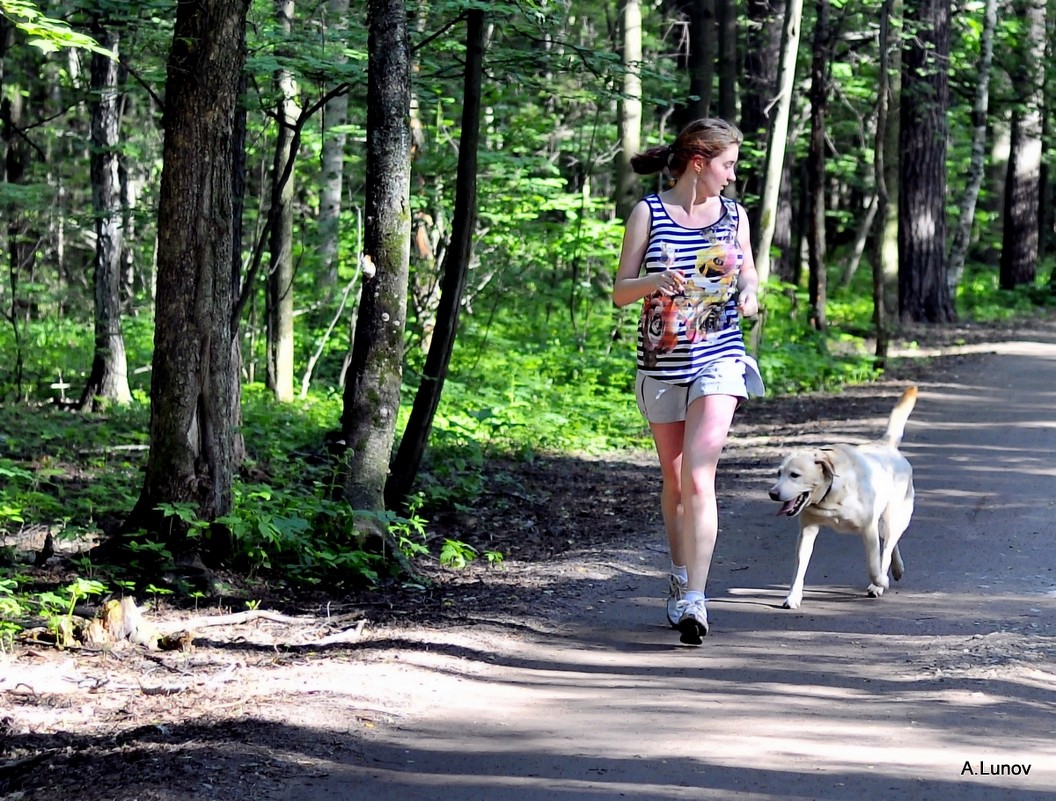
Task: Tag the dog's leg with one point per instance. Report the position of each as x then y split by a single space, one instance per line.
807 535
893 523
898 569
877 564
898 522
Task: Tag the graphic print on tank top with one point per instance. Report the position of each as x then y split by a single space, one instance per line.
710 266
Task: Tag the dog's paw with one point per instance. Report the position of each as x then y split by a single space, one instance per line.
875 590
792 602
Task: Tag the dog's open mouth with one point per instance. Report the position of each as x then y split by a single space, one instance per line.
795 506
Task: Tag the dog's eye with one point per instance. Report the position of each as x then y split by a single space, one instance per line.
794 474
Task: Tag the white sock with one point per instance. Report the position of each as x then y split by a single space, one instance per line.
680 572
694 595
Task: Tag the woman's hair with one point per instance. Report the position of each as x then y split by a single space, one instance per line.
707 137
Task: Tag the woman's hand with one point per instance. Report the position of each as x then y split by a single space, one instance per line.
748 303
669 282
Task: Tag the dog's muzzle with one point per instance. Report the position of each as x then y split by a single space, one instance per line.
792 507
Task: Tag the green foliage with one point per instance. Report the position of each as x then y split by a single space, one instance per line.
10 608
980 297
457 554
46 34
795 358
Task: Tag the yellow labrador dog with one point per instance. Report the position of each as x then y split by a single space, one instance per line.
853 489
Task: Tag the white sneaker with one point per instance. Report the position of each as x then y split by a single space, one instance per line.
676 590
692 622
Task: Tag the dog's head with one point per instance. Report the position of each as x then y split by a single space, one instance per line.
802 479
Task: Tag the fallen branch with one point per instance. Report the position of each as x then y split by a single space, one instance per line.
348 635
233 619
121 620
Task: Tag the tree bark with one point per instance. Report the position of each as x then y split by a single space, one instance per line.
1019 240
630 108
887 248
816 166
976 169
108 380
372 390
335 115
703 49
775 149
726 24
280 273
880 172
456 269
923 293
759 90
190 420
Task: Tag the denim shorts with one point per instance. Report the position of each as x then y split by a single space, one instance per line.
661 402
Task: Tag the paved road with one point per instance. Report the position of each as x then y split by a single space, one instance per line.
945 688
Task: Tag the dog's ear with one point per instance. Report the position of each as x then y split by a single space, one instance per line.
823 459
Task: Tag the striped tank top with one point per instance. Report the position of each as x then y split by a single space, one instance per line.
678 336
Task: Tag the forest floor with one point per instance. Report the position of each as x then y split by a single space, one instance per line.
249 706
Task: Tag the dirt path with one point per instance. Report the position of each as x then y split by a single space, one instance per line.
559 679
923 694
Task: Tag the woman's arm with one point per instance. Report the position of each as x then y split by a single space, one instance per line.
630 285
748 280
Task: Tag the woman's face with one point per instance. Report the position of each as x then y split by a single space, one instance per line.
718 172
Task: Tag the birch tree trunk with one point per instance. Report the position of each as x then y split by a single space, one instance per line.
335 115
976 169
887 248
883 197
775 147
759 90
630 109
816 166
279 294
372 388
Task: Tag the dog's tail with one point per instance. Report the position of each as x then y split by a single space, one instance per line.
896 424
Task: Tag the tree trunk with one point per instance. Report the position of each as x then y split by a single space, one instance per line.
372 388
775 148
861 239
887 249
280 273
786 260
963 235
190 415
816 167
703 48
1019 240
759 90
335 116
238 203
880 172
726 23
456 269
630 108
923 293
16 108
108 380
695 56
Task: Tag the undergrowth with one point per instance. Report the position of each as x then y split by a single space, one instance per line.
521 385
